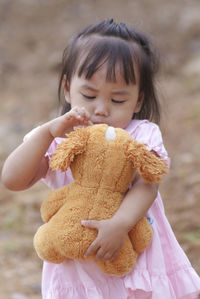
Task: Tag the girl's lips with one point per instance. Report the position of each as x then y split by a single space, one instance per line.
99 122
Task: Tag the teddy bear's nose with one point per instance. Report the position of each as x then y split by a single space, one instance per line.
110 134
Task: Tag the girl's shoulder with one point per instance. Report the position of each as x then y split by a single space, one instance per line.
148 133
143 129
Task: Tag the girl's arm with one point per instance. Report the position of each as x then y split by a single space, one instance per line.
136 203
27 164
112 232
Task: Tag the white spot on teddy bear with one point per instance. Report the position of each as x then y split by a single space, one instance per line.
110 134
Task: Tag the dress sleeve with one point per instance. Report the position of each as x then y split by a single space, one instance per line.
53 179
56 179
150 134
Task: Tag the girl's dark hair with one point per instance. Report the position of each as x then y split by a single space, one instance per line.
112 43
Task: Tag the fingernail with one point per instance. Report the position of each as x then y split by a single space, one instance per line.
83 222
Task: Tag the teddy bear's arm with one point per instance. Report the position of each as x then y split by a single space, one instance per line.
141 235
53 203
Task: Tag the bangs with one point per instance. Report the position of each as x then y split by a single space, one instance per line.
114 52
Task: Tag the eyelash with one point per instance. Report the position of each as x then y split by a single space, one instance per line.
117 102
92 98
88 97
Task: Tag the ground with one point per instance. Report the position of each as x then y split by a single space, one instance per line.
32 36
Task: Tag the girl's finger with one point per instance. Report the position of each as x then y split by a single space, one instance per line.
85 113
107 256
110 256
114 255
92 249
90 223
90 123
100 254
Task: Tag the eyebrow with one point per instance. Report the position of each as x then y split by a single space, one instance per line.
121 92
117 92
85 86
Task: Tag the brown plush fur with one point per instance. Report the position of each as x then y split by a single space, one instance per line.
102 172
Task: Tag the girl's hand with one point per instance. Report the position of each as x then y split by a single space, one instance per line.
110 239
27 164
61 125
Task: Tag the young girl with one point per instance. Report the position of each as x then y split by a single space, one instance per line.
108 77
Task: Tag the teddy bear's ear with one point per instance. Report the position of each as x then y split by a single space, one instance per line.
74 144
150 167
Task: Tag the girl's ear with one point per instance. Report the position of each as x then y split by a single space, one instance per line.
66 88
139 102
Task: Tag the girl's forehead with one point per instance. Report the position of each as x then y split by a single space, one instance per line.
119 56
109 71
98 83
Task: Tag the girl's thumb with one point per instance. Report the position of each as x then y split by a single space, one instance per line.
90 223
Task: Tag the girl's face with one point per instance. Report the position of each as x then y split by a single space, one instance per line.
112 103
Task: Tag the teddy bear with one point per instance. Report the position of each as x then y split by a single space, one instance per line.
103 161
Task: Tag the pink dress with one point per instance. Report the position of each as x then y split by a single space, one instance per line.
162 272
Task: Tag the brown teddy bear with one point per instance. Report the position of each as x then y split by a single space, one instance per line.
103 161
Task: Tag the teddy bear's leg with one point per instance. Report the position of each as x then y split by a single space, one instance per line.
53 203
44 246
141 235
123 263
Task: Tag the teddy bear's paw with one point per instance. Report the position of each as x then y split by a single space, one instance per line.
44 246
53 258
141 235
123 263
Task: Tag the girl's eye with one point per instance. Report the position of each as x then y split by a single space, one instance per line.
88 97
117 102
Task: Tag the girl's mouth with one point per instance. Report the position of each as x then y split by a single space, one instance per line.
99 122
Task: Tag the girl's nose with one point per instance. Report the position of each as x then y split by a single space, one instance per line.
102 108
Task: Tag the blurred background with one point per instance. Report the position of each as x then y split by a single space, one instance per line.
33 34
